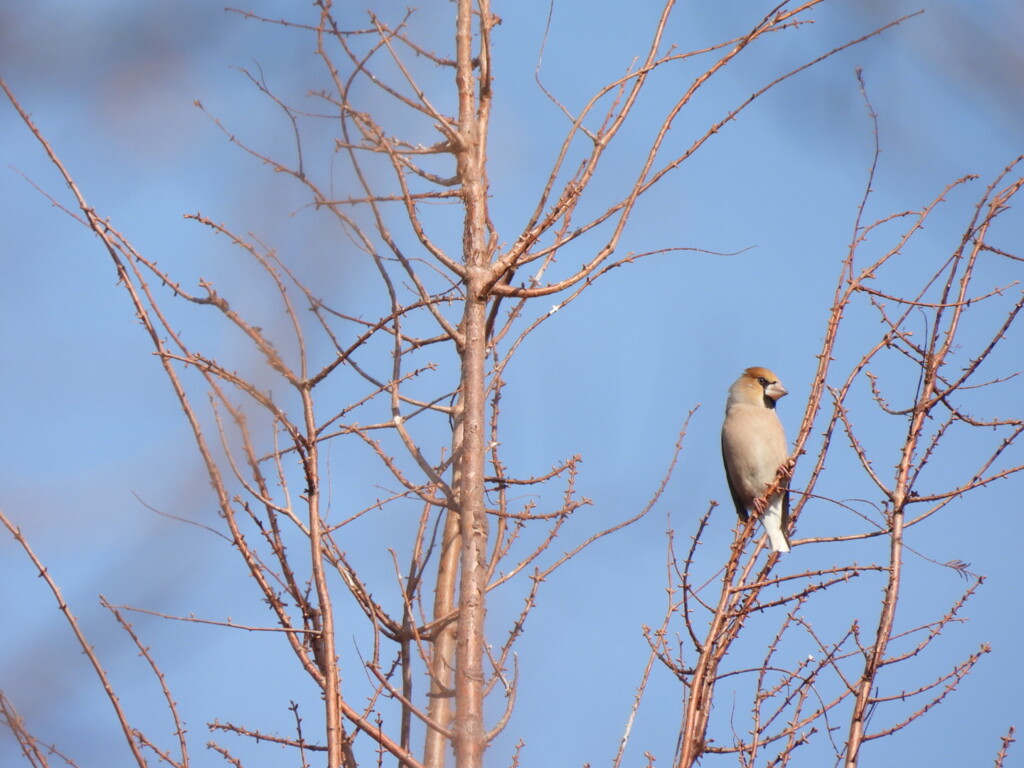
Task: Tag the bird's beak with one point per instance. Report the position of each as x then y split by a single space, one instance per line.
775 390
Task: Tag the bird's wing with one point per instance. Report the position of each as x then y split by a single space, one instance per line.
741 508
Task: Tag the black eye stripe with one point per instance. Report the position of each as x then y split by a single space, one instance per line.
762 381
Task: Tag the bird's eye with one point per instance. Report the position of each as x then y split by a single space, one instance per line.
762 381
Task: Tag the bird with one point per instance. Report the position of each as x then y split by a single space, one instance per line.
754 448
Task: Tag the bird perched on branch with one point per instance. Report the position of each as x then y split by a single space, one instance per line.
754 449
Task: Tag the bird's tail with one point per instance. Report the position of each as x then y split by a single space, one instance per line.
774 523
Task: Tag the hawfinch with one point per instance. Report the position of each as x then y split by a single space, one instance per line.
753 449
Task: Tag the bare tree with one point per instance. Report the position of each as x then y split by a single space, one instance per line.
413 378
929 383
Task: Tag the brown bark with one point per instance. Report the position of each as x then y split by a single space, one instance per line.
469 732
442 660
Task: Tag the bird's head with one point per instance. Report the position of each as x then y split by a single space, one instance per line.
757 385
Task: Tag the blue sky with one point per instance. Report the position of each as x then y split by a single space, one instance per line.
92 434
